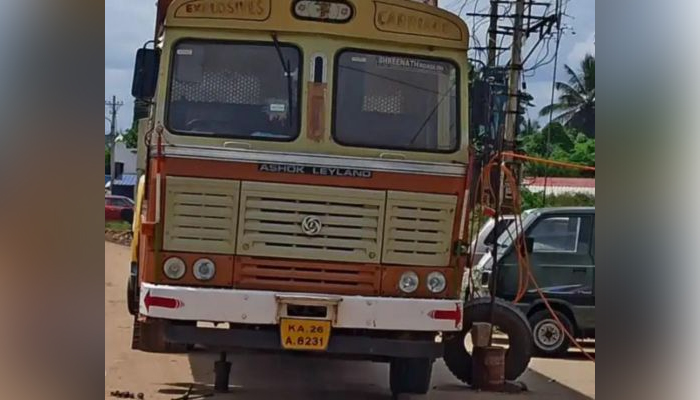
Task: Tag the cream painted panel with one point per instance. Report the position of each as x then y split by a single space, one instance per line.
271 216
418 229
201 215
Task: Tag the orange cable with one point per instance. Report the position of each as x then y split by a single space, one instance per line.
550 162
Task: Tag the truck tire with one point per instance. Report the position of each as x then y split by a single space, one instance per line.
549 339
410 375
509 320
132 302
132 292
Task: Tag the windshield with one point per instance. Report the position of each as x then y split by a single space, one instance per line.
495 232
396 102
235 90
509 235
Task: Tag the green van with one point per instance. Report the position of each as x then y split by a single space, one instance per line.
561 246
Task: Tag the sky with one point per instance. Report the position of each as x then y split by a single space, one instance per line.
130 23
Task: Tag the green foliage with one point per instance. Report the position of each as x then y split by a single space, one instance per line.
130 137
565 145
119 226
536 200
583 151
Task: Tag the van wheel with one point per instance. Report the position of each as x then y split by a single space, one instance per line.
550 340
509 320
410 375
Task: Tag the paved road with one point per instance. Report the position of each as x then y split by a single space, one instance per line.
288 377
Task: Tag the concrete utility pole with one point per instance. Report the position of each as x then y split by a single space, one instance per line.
493 34
511 118
114 106
502 195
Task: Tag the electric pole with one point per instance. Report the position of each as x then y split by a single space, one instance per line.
114 107
493 34
516 67
503 196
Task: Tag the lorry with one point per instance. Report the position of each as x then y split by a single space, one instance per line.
304 181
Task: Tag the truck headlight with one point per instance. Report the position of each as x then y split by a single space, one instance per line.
436 282
174 268
409 282
204 269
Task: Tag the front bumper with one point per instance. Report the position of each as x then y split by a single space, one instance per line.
266 308
341 344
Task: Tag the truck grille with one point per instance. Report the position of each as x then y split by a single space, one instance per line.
201 215
418 228
313 277
272 214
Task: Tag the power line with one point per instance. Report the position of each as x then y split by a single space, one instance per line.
534 21
551 109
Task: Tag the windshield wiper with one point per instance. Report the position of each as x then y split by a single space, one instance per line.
430 115
287 71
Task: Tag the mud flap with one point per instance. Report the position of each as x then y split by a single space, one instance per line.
149 336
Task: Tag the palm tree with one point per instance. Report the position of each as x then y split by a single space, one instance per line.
576 105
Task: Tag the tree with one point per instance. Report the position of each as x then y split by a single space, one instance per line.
576 104
565 144
584 151
534 142
130 137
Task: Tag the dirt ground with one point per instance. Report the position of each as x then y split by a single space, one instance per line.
289 377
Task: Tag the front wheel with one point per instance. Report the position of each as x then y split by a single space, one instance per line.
410 375
550 340
132 293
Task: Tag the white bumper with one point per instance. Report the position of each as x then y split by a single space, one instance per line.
265 308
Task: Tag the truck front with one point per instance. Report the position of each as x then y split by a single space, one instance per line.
304 181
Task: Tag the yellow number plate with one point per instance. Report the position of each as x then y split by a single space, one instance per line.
302 334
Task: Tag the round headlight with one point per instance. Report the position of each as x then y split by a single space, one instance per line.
204 269
409 282
436 282
174 268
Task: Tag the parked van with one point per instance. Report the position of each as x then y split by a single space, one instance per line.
561 246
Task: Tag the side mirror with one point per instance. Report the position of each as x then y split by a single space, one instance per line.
480 102
145 73
530 244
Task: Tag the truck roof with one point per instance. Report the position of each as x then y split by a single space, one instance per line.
402 21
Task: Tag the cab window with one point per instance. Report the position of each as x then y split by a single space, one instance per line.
231 89
396 101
